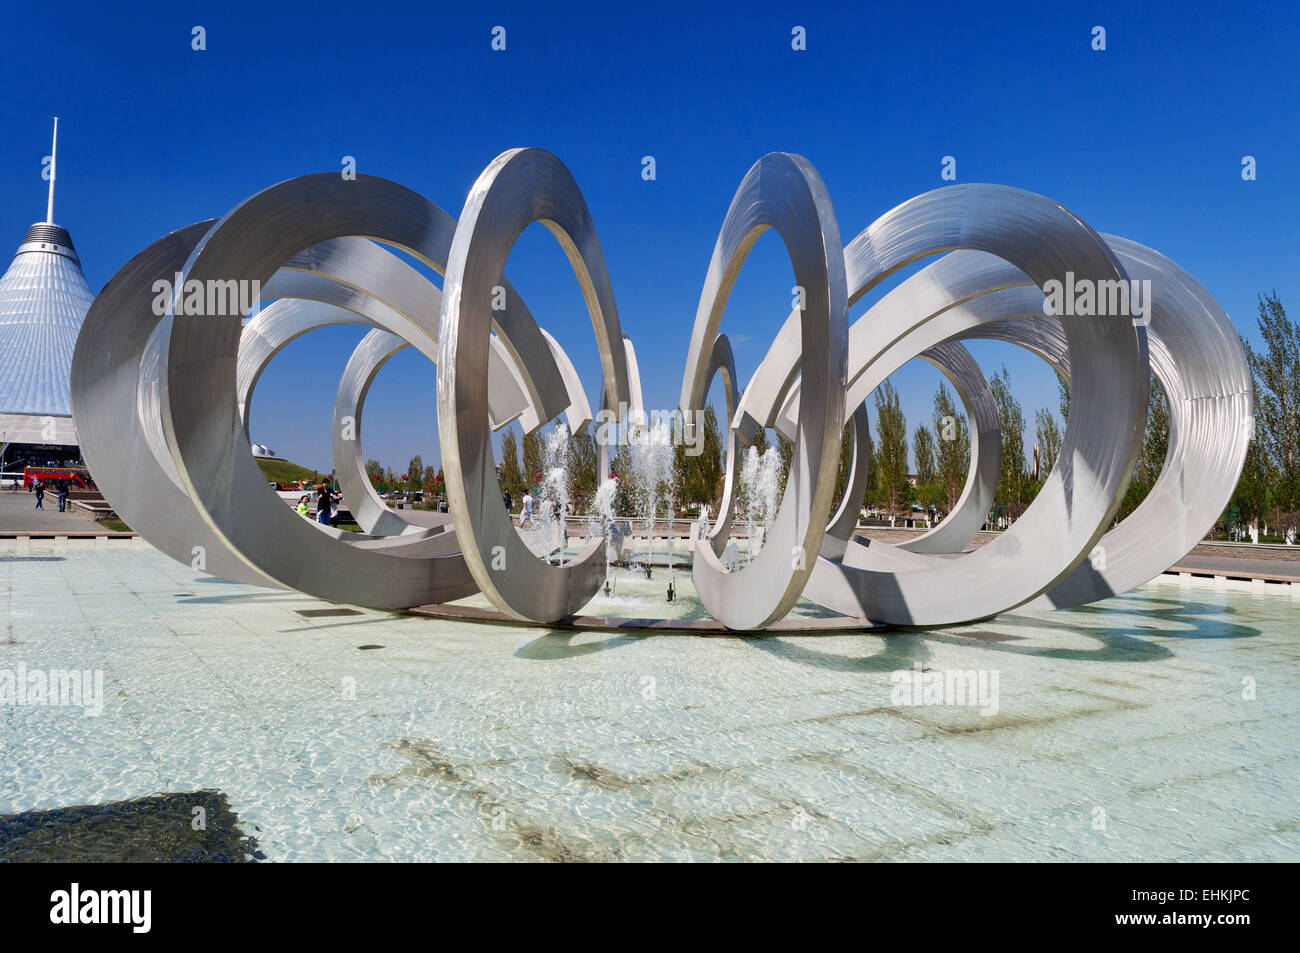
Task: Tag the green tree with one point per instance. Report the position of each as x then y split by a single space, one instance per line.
952 447
415 472
891 448
927 491
512 478
923 455
1010 498
1048 433
871 495
1276 371
584 463
699 477
1252 495
532 459
846 459
625 493
784 454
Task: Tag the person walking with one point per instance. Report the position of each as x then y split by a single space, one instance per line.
63 496
323 504
527 515
303 508
40 495
510 503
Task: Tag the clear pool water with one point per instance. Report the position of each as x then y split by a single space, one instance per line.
1161 725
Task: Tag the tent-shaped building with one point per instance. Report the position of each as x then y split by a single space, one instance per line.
43 300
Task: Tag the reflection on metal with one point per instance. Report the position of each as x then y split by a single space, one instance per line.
163 401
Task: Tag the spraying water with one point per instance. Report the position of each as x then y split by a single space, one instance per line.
555 490
758 479
702 523
652 460
604 505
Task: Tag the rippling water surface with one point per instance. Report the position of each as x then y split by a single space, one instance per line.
1161 725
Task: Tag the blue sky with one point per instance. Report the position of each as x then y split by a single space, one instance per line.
1144 140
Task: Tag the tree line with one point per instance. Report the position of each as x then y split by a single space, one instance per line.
415 478
1268 493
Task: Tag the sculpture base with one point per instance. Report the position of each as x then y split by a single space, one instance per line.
628 624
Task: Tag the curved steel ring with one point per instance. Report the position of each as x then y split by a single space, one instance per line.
1196 355
518 188
200 413
1202 356
722 360
105 385
1068 517
785 193
277 325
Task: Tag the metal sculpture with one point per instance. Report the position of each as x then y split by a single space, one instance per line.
162 400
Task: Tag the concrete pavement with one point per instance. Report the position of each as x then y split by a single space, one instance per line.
18 514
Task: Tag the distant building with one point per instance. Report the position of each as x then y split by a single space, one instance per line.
43 300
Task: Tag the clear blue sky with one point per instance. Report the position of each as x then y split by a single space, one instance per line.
1144 140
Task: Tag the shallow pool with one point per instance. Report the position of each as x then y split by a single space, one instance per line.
1161 725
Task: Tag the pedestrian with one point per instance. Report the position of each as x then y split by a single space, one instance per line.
336 506
527 515
63 496
505 498
303 508
323 504
40 495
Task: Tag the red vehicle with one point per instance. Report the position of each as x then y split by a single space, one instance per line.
79 475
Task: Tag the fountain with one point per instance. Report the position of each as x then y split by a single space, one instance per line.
758 479
701 529
608 529
652 460
554 502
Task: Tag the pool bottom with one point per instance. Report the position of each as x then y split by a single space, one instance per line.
1160 725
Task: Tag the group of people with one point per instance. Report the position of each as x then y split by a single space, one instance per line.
528 515
61 486
328 503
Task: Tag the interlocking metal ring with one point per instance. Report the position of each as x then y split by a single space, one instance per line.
162 401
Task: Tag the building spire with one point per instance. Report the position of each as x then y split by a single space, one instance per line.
54 151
